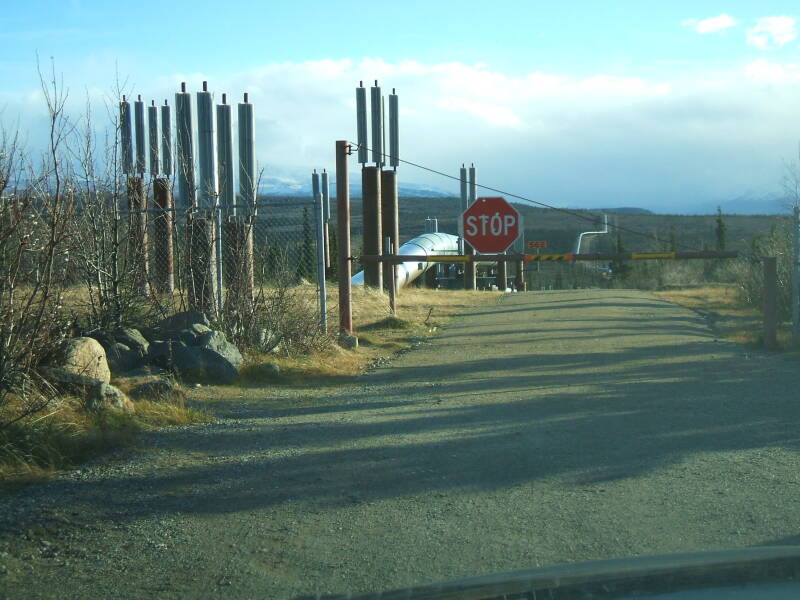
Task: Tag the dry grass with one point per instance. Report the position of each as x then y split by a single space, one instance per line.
420 313
732 319
66 435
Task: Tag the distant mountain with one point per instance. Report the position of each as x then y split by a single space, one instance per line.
271 185
625 210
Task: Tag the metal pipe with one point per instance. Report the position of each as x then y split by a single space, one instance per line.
470 271
152 129
247 158
361 122
412 257
205 149
464 205
371 206
166 140
320 219
185 144
377 118
580 237
394 131
162 234
126 141
390 222
138 122
326 205
343 225
227 200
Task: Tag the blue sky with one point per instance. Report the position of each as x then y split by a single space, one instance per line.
585 103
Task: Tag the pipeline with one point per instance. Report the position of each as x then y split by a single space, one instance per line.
422 245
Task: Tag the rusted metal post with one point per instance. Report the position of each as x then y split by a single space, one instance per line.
502 275
238 261
770 302
343 238
470 272
200 255
371 206
162 233
390 224
137 205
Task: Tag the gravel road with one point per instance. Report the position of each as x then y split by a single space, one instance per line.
550 428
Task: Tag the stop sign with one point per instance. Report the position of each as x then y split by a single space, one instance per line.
491 225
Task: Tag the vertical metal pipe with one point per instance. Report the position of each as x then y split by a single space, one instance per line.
502 275
137 249
796 276
473 186
138 123
343 226
394 131
391 276
225 158
126 140
152 129
383 132
377 130
326 205
185 146
205 149
770 302
247 159
321 286
390 223
464 206
162 234
519 282
470 268
166 140
361 122
371 206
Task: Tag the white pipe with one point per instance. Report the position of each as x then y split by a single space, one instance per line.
425 244
580 237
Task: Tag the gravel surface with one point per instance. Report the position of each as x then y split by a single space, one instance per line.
550 428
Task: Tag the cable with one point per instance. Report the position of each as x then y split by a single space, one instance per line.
567 211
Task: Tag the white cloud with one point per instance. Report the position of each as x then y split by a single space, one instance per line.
711 24
772 32
682 132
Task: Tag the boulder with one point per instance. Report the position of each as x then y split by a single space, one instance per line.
348 341
122 359
216 341
216 367
84 356
132 338
199 329
65 380
105 396
183 320
158 391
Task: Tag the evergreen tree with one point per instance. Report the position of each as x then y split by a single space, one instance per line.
721 232
673 239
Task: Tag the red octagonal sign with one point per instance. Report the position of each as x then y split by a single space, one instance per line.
491 225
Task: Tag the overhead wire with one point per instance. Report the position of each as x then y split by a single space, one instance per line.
591 219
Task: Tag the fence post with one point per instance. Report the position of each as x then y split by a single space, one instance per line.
796 276
343 238
770 302
520 276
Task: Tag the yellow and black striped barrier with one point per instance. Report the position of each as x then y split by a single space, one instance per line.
467 258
